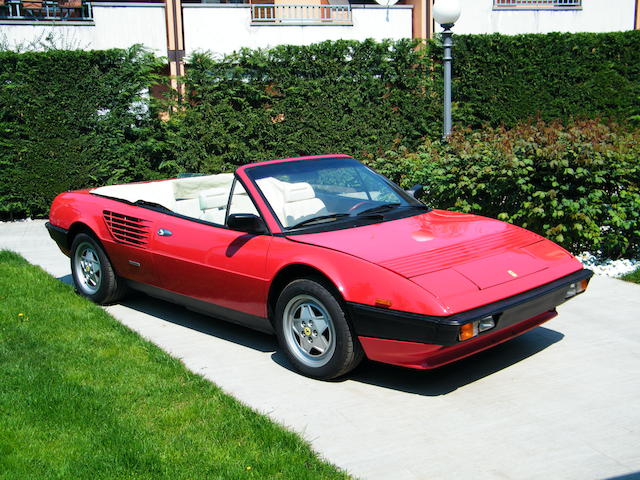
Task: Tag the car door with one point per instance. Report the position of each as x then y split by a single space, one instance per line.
210 263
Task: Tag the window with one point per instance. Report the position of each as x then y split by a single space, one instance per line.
46 10
266 12
513 4
328 190
240 201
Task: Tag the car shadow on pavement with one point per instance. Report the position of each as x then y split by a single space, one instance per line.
449 378
68 279
629 476
179 315
440 381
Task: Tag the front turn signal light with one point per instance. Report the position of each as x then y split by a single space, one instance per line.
472 329
467 331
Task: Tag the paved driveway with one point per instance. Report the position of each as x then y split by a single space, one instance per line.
560 402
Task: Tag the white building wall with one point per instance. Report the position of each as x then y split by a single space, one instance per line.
478 16
114 26
224 28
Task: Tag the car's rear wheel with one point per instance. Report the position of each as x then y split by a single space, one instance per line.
313 331
93 274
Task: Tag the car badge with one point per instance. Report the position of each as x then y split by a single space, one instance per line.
512 273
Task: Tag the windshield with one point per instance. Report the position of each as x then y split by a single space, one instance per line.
316 192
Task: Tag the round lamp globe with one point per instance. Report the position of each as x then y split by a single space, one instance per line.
446 12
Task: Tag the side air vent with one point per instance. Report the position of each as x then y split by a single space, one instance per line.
126 229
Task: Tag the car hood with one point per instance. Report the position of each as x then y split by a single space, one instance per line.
447 252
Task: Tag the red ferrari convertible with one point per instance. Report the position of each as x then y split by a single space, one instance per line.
336 260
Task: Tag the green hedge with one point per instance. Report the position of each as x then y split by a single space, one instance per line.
499 79
577 184
362 98
349 97
71 119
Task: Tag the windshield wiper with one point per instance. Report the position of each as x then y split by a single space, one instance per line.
309 221
420 206
378 209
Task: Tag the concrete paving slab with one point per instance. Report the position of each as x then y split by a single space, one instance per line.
561 401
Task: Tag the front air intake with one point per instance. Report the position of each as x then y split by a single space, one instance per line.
126 229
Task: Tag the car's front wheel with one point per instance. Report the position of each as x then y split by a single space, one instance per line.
93 274
313 331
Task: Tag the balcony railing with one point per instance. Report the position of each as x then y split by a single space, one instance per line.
537 3
279 14
46 10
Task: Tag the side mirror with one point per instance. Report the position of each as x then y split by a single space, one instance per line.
416 191
246 222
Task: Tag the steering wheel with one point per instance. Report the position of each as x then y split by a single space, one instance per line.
360 204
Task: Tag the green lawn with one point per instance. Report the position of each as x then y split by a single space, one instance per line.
81 396
633 276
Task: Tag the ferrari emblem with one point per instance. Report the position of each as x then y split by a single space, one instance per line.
512 273
307 331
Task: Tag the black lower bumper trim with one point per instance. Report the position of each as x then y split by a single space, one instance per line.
59 235
377 322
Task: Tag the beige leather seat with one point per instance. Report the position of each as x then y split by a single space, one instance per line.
187 192
273 190
300 203
291 202
213 204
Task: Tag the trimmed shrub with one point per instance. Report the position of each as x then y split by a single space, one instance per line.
72 119
350 97
362 98
578 184
503 80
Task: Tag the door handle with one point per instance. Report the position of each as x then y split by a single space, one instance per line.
163 232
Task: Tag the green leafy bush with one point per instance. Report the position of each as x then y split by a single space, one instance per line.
72 119
578 184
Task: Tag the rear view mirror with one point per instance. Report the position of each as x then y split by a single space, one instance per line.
246 222
416 191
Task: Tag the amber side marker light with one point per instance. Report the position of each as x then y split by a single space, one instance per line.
382 303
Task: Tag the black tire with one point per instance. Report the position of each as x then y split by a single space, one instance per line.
93 274
325 349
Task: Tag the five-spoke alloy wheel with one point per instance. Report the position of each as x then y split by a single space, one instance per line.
93 274
309 331
87 264
313 331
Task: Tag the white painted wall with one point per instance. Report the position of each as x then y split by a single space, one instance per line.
114 26
224 28
478 16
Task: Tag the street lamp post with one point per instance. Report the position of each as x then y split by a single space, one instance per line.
446 13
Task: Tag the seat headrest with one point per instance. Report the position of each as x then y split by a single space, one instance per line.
296 192
213 198
191 186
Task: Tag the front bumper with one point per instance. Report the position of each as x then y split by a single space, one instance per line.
60 236
422 341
